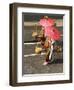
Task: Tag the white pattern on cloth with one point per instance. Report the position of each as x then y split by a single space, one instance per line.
51 49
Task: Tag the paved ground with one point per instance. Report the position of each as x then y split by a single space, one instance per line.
33 65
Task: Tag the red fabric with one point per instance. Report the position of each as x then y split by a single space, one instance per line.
46 22
51 21
52 32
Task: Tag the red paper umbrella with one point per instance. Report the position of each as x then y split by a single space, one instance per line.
52 32
43 22
46 22
51 21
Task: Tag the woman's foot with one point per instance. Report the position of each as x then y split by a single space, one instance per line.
45 63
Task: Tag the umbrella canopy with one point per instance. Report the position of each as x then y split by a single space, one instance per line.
52 32
46 22
43 22
51 21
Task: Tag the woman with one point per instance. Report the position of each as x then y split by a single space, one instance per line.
51 33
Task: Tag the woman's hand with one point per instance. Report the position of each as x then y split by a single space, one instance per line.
34 34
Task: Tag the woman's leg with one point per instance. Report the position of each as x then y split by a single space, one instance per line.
49 55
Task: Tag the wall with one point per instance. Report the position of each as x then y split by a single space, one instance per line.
4 46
